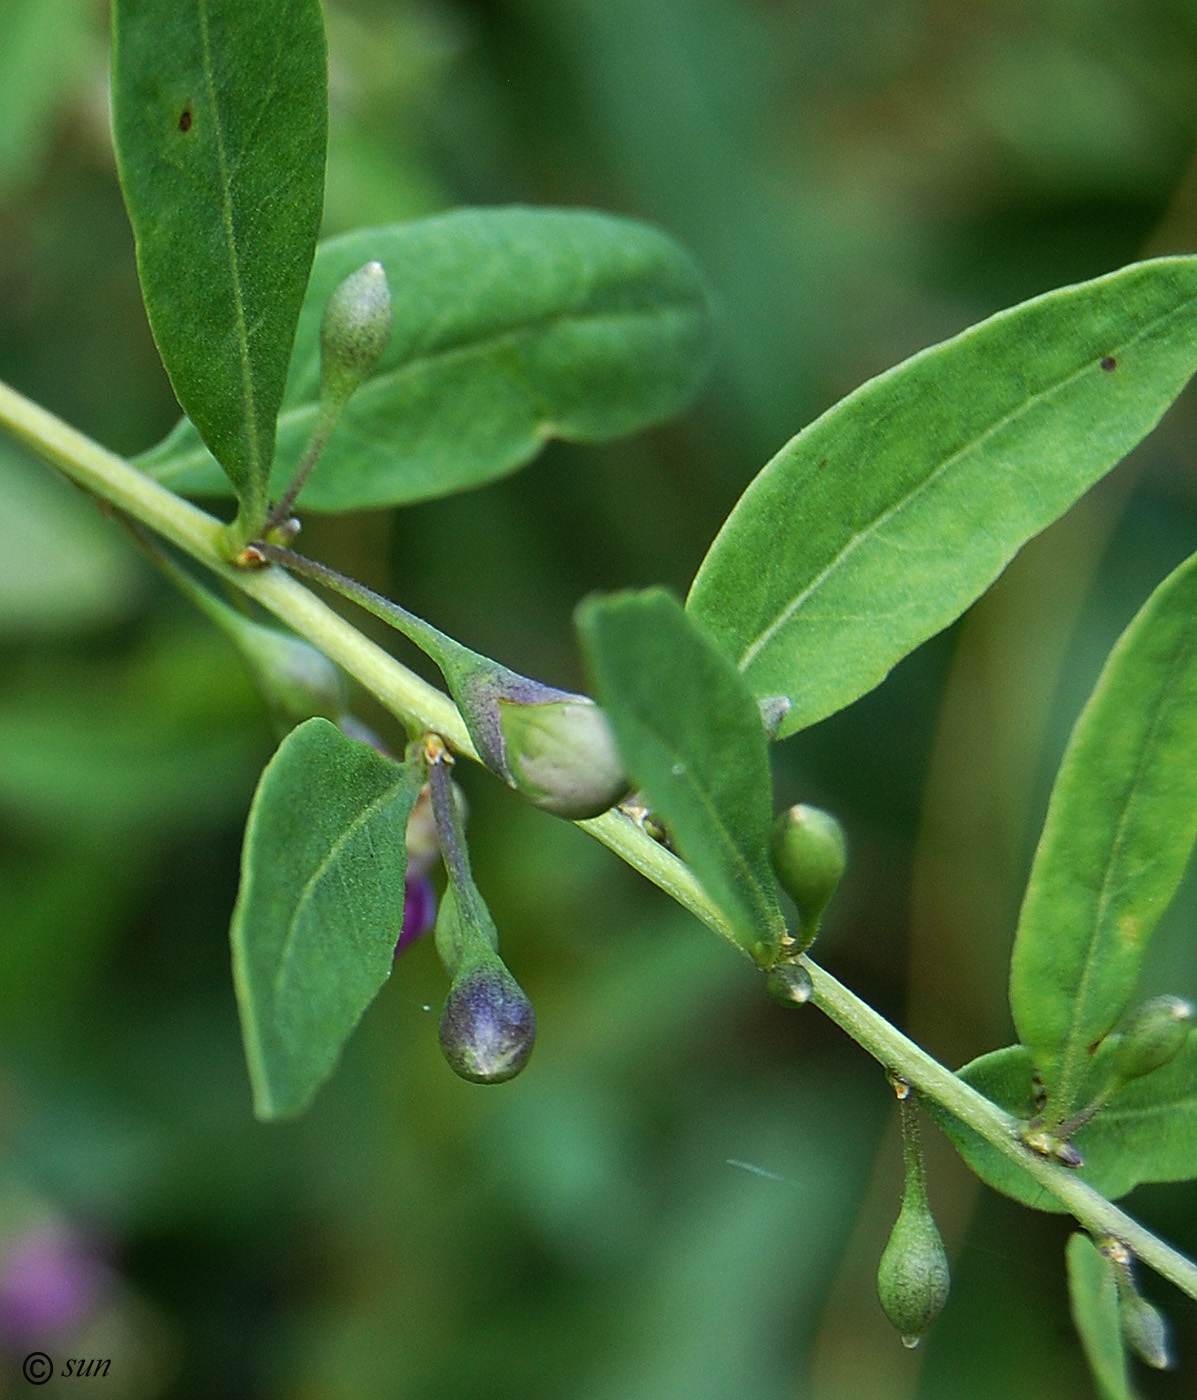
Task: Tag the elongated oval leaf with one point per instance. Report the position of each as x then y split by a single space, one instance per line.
1120 826
220 117
880 523
1093 1293
691 736
512 326
320 906
1147 1132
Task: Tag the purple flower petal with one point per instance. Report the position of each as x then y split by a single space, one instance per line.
419 911
50 1281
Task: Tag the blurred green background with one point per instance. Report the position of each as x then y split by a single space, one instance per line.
685 1196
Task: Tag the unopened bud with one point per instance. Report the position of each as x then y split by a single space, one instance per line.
561 755
488 1024
297 681
774 709
1153 1036
913 1278
809 856
1143 1328
354 331
789 984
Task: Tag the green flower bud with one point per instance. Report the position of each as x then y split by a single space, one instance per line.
488 1024
561 755
809 855
297 681
354 332
1152 1037
913 1277
789 983
1143 1328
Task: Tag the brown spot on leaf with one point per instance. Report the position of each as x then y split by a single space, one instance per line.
1108 362
185 119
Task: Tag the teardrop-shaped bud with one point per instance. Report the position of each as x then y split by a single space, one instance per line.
488 1024
354 331
789 983
561 755
1152 1037
913 1278
297 681
1143 1328
809 856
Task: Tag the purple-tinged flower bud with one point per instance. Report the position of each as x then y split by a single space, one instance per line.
50 1282
561 755
419 910
488 1024
354 331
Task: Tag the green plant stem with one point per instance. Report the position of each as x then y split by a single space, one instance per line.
437 645
325 423
414 701
200 535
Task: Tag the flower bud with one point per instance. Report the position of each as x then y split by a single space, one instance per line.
774 709
488 1024
297 681
1143 1328
913 1277
354 331
789 983
561 755
809 855
1153 1036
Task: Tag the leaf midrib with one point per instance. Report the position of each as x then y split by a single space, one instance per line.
309 886
1070 1053
226 217
755 647
739 858
176 465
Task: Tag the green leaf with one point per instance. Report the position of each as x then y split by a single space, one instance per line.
1147 1132
691 736
1093 1291
320 906
883 520
220 118
512 326
1120 826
